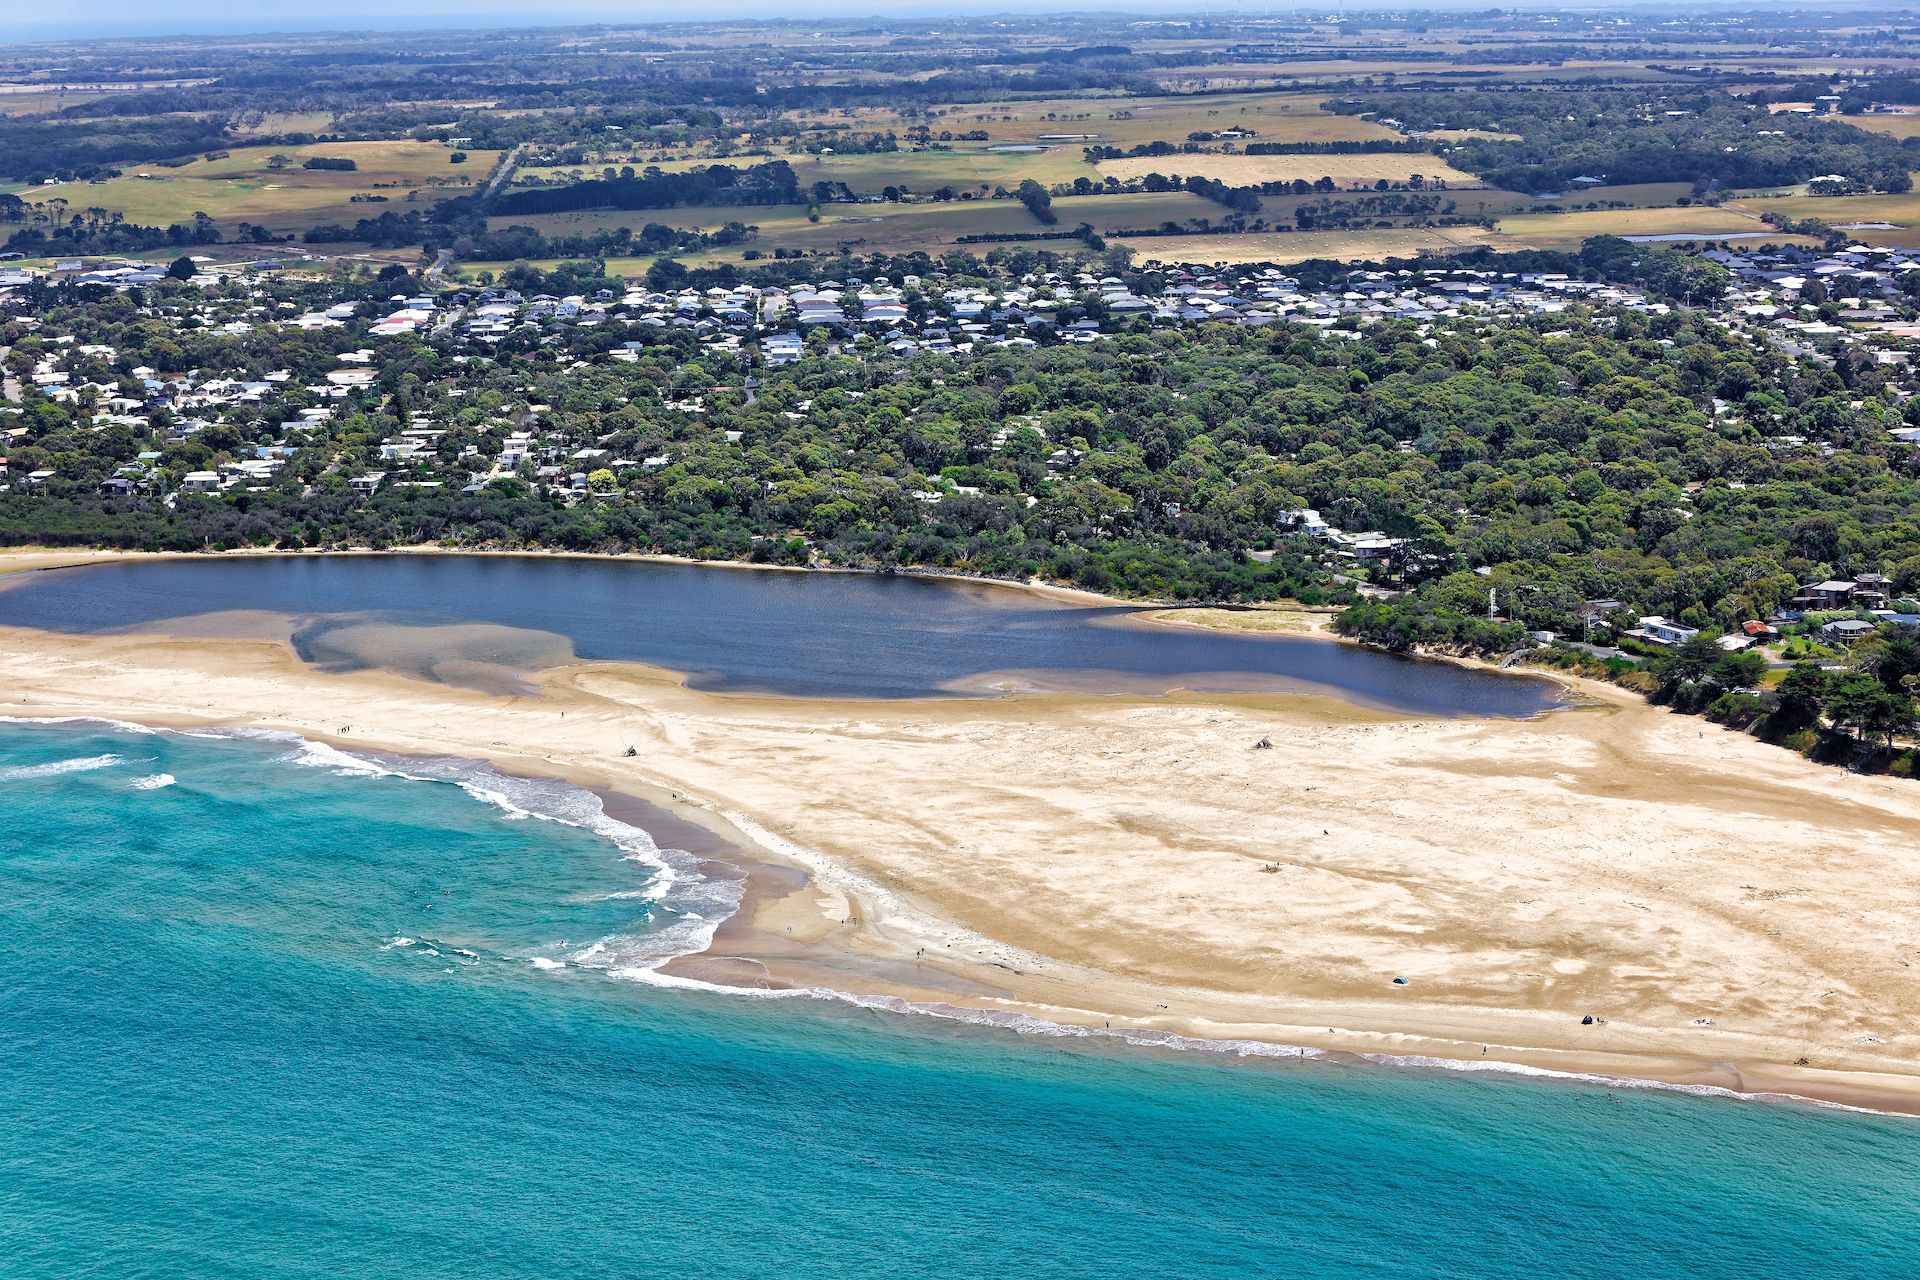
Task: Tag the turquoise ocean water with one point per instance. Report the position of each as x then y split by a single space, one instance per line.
262 1015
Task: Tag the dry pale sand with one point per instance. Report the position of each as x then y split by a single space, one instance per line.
26 559
1285 618
1726 909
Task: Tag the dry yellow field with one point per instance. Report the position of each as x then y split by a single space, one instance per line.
889 227
705 217
933 226
1904 125
1126 122
244 187
276 123
28 100
1246 171
1567 230
34 96
1298 246
964 166
1849 212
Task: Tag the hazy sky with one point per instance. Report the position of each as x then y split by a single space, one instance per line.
23 20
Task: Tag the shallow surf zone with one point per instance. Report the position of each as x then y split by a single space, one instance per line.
53 769
1030 1025
685 898
326 1008
687 902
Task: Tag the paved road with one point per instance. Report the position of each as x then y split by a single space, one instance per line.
502 173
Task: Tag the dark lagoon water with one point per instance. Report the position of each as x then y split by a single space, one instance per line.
800 634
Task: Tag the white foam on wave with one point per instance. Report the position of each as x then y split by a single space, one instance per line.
154 781
54 768
1472 1066
688 906
697 905
318 755
1151 1038
118 726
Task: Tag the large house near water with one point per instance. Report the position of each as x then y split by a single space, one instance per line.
1657 630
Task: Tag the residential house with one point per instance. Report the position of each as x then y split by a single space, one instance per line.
1657 630
1831 594
1845 631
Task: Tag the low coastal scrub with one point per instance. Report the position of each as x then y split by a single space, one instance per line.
1402 629
1854 715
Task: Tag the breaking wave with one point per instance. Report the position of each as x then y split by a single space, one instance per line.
83 764
687 904
690 905
1152 1038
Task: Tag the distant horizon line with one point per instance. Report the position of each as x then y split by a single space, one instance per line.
111 28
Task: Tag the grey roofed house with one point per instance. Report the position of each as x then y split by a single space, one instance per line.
1832 592
1846 630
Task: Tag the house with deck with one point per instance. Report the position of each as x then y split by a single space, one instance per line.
1655 629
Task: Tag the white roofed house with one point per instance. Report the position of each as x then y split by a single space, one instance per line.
818 308
1307 521
1372 545
1658 630
404 320
781 348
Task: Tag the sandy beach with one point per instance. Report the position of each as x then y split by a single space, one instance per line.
1727 913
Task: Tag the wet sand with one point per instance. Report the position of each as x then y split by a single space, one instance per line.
1730 915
